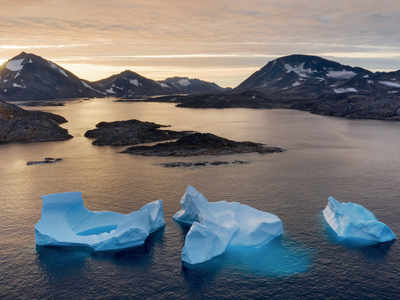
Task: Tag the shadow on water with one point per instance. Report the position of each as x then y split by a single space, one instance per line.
199 276
281 257
61 262
372 252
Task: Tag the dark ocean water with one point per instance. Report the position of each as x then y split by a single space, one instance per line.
351 160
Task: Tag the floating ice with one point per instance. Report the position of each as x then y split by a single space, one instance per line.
353 222
219 225
65 221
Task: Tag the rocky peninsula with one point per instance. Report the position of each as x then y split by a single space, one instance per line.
19 125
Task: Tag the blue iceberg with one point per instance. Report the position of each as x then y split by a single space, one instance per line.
215 226
354 223
65 221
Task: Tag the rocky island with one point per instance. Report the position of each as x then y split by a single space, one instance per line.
184 164
169 142
47 160
19 125
201 144
131 132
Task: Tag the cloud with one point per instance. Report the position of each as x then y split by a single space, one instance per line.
223 31
17 47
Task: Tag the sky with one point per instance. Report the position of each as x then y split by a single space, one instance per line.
223 41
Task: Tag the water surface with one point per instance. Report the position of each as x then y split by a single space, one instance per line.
351 160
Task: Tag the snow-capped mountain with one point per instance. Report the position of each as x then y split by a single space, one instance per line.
307 76
185 85
130 84
30 77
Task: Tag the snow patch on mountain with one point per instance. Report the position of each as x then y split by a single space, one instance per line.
390 84
15 65
16 85
135 82
54 66
341 74
164 85
90 87
296 84
184 82
299 70
345 90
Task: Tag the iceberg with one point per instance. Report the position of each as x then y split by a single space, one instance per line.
216 226
65 221
354 223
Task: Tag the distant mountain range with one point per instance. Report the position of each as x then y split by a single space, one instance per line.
296 81
31 77
313 84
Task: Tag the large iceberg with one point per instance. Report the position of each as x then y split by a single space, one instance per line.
354 223
215 226
65 221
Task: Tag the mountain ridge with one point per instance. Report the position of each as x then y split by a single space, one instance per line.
27 76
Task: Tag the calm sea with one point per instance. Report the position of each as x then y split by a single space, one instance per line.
351 160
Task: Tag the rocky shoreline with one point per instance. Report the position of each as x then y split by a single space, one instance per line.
343 105
42 103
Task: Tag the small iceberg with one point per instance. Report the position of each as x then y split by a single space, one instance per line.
65 221
215 226
354 223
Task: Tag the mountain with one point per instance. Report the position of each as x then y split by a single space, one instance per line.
129 84
185 85
308 77
304 75
30 77
24 126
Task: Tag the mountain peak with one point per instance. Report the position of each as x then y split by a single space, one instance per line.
299 73
129 73
26 55
28 76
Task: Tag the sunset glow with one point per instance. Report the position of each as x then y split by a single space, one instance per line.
221 41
